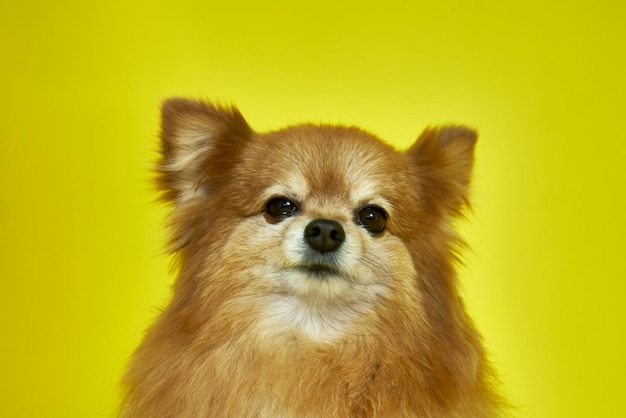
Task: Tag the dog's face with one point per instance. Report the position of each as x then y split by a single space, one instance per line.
318 225
317 228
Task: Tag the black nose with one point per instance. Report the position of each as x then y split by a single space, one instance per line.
324 235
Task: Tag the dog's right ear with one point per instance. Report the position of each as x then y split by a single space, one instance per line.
199 143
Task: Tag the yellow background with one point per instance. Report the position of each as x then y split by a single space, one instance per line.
81 271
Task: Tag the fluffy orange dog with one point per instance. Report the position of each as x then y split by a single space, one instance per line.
316 276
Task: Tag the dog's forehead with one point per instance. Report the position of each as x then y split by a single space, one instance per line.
328 162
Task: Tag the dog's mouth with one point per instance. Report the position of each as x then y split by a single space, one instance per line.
319 270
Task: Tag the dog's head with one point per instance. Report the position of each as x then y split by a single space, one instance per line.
314 228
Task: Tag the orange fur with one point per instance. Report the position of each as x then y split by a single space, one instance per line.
249 333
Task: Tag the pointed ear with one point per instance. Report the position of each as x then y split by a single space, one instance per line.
444 157
199 142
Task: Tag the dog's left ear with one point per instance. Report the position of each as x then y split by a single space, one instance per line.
444 157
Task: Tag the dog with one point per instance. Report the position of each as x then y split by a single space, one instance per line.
316 275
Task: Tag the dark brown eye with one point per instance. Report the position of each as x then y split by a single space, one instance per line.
280 207
372 218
